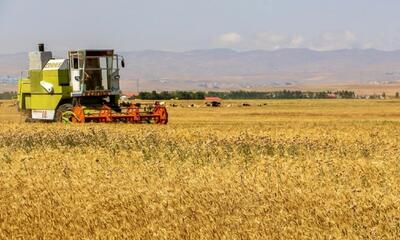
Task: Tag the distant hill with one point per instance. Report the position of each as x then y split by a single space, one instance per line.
227 69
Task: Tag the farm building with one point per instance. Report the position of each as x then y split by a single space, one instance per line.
129 95
332 95
213 101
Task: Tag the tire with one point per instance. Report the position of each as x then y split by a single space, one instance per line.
61 110
28 116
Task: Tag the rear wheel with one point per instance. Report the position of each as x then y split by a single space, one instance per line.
28 116
65 113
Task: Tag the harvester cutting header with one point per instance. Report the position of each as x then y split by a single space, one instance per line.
82 88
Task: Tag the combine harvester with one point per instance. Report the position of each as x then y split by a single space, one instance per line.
82 88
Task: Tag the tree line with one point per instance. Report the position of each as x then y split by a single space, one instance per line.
284 94
8 95
189 95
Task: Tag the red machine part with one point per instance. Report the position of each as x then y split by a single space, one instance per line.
158 115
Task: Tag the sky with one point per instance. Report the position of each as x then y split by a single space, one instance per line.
181 25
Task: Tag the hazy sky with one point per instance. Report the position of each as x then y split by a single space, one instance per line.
187 24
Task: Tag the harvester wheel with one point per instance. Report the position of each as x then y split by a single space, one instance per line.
28 116
64 113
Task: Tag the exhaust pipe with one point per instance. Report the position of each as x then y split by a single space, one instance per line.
41 47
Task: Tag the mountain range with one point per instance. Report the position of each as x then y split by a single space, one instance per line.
223 69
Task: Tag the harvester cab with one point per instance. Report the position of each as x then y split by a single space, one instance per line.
94 72
83 88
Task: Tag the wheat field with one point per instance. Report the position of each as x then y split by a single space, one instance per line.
282 169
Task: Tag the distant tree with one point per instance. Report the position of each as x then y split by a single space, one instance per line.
283 94
8 95
397 94
165 95
199 95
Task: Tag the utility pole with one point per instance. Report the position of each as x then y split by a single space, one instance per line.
137 86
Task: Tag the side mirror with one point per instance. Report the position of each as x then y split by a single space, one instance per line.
123 63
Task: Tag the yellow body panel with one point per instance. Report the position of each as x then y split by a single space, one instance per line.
45 101
56 77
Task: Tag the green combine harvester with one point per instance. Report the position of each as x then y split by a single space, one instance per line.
83 88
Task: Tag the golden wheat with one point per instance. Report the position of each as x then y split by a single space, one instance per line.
284 170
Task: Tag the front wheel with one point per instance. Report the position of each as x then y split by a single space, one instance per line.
64 113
